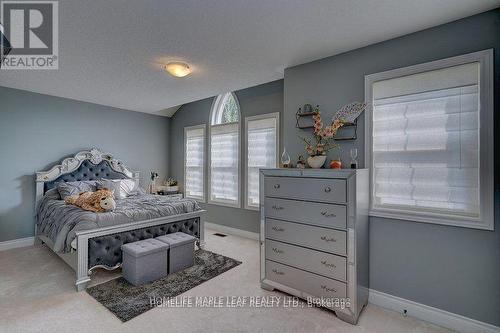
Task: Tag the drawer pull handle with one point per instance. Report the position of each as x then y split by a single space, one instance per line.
278 251
275 271
277 207
276 186
326 214
326 239
328 189
327 264
328 290
278 229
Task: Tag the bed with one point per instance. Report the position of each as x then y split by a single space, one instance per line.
86 240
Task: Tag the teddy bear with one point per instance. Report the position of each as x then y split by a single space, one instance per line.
99 201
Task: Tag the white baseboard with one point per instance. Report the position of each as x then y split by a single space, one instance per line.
232 231
15 243
430 314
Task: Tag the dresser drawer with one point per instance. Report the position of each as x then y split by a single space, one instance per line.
314 261
314 213
314 189
310 283
324 239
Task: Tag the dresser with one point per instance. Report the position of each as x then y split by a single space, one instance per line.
314 236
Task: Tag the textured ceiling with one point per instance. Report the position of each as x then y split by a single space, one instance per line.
111 51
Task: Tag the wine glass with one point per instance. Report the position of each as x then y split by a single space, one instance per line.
354 156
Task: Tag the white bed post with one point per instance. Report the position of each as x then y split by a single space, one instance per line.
82 271
39 195
201 244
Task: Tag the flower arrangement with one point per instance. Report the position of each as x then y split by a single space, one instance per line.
153 175
322 140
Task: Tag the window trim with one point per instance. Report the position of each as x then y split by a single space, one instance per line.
275 115
486 149
186 129
216 104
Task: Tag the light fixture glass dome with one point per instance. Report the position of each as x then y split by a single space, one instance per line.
178 69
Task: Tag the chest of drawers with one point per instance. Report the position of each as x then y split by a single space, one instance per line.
314 236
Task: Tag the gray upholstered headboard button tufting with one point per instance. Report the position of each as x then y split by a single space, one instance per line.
87 171
85 165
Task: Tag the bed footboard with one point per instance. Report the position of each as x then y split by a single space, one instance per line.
101 248
105 251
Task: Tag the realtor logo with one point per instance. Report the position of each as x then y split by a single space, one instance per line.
32 30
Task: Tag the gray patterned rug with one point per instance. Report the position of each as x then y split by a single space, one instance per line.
127 301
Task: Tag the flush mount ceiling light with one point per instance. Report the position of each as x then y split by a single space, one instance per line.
178 69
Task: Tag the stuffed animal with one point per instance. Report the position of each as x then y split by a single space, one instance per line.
99 201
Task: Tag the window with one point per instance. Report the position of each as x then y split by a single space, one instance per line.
430 141
194 162
261 152
224 173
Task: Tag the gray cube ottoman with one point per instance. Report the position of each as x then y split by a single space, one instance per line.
144 261
181 252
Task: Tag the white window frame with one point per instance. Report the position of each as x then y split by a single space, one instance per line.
186 129
486 146
216 104
275 115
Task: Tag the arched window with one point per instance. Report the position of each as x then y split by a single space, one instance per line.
224 165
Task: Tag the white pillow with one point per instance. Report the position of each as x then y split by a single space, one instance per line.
128 186
112 185
122 187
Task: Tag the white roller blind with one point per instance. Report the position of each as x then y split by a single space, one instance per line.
261 153
425 145
224 160
195 161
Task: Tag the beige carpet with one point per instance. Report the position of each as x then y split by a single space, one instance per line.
37 295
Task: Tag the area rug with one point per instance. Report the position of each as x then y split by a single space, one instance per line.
127 301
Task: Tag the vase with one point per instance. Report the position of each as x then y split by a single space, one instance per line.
316 162
285 159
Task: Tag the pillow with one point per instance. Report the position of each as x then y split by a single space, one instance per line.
53 193
128 186
111 184
122 187
74 188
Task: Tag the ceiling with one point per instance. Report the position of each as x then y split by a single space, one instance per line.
111 52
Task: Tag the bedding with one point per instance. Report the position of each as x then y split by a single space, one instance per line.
60 222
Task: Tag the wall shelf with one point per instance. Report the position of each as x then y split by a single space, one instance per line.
304 115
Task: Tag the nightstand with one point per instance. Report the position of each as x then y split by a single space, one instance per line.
173 196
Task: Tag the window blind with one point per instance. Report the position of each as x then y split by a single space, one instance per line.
261 153
425 145
224 164
195 160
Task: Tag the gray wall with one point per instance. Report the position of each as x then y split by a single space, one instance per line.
37 130
455 269
260 99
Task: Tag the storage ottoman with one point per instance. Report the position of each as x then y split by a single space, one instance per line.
181 252
144 261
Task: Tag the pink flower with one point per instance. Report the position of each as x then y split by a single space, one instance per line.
328 132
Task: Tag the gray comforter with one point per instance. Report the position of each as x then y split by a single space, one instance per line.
59 221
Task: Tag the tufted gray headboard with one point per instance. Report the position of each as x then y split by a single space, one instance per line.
85 165
87 171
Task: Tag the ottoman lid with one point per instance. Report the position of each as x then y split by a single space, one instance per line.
144 247
176 239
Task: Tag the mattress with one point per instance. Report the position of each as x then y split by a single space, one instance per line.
60 222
